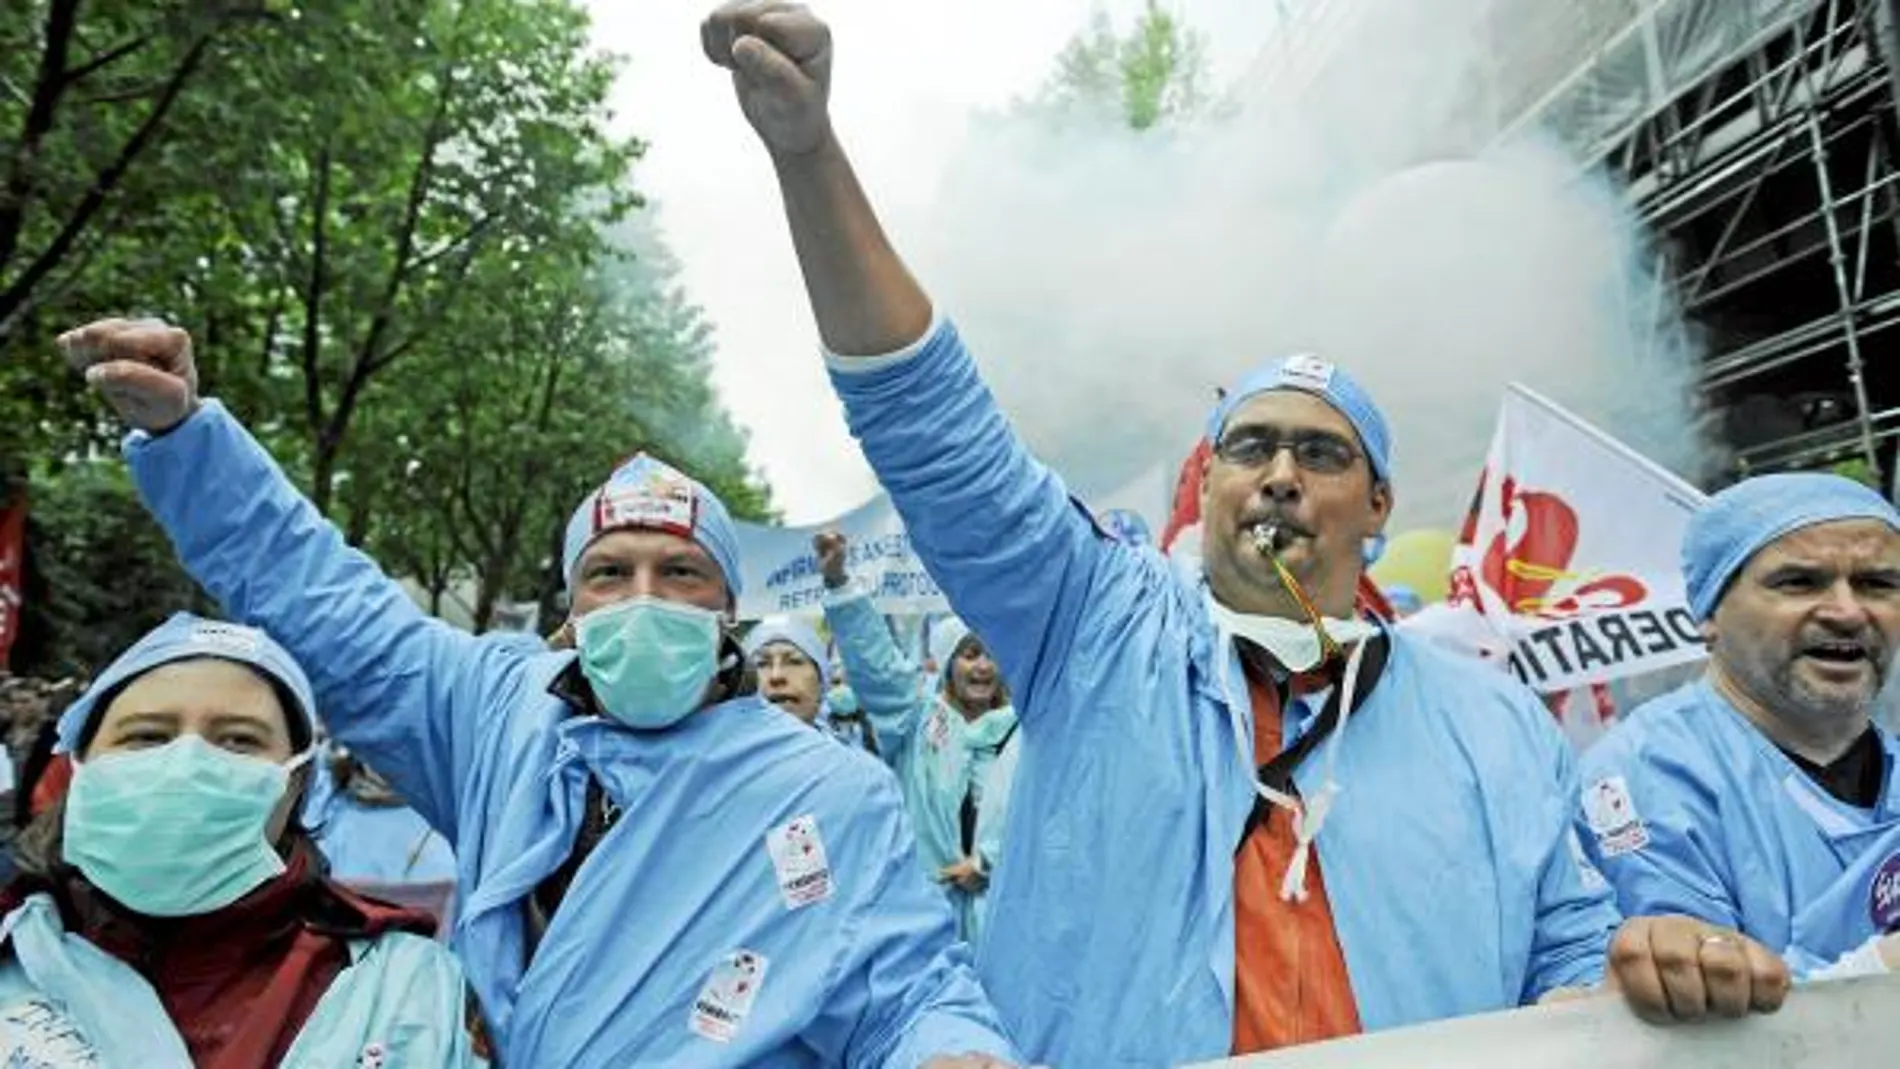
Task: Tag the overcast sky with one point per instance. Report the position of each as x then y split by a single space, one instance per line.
908 76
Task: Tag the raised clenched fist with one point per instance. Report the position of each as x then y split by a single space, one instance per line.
142 367
780 58
830 547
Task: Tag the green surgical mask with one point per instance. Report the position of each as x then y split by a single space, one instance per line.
649 660
177 830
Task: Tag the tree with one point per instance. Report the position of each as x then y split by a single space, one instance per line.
100 572
459 144
1153 75
391 228
516 426
98 97
313 218
1858 469
671 345
589 364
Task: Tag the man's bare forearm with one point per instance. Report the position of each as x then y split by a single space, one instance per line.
863 297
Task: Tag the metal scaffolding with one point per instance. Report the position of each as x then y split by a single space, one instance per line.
1770 181
1757 139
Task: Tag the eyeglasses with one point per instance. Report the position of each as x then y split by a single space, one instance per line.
1322 452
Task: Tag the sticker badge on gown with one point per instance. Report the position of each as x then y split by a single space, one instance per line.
1592 878
726 1000
798 857
1612 817
937 729
1883 897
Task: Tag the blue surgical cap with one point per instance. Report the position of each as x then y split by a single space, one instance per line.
186 637
1737 523
1403 598
795 631
648 494
1309 374
946 635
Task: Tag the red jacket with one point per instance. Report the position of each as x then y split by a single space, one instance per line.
241 982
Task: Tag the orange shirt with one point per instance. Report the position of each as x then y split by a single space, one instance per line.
1290 982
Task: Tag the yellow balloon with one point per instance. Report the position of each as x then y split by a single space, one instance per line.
1419 559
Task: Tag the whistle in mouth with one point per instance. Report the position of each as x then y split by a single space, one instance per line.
1267 538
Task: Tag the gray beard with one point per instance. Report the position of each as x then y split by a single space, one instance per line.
1810 704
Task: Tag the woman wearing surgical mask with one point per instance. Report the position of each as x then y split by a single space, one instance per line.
172 913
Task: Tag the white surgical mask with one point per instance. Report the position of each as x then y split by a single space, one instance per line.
1294 643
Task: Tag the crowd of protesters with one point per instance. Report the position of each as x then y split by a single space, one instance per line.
1121 810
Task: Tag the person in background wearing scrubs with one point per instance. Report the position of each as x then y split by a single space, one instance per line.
789 659
373 842
172 913
656 867
939 738
1762 797
367 833
992 817
1242 819
843 702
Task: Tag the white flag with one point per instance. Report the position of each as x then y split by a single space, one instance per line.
1570 556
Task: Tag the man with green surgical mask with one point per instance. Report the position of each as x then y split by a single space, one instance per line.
655 867
172 913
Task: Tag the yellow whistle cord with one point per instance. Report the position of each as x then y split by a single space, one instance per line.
1330 652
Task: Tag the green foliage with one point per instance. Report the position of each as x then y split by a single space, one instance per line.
103 573
398 232
559 392
1859 470
1153 75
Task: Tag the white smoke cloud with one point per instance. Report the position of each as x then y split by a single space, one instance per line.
1109 280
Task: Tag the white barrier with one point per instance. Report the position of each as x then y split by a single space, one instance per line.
1852 1024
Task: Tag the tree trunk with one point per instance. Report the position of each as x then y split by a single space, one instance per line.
356 533
488 589
552 602
323 476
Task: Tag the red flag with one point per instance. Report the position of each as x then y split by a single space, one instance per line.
1187 495
12 571
1371 601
